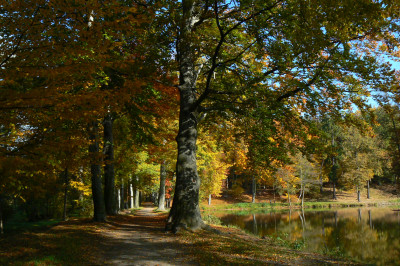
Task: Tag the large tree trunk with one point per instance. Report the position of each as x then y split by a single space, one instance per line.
95 168
109 177
66 182
161 192
185 211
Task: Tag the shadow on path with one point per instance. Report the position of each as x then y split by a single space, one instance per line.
140 240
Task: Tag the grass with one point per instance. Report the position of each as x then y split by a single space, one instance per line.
307 205
12 227
69 243
233 247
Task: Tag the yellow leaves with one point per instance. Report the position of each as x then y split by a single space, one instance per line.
80 186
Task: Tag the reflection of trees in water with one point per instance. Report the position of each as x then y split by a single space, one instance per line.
369 235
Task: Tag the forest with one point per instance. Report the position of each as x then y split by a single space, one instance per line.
105 105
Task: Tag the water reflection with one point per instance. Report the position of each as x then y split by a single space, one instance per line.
370 235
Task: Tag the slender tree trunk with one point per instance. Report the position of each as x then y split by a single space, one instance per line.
358 194
1 215
95 169
302 197
66 183
131 195
136 203
185 211
209 199
321 188
334 191
161 192
122 205
253 190
109 176
118 199
368 195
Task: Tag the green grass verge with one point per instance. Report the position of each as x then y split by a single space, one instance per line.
12 227
307 205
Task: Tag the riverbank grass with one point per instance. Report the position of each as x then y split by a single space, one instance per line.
231 246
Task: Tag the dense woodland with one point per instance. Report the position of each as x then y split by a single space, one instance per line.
107 103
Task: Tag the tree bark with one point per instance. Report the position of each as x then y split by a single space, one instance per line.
253 190
131 195
185 211
161 192
136 203
118 199
1 215
95 168
321 188
66 183
122 203
358 194
209 199
334 191
109 176
368 195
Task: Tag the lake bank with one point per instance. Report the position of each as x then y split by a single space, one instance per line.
266 199
140 238
366 235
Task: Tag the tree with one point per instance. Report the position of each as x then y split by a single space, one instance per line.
212 166
363 157
285 48
307 173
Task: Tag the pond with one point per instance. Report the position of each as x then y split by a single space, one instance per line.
369 235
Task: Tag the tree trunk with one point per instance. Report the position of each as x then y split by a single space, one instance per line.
185 211
118 206
209 199
302 197
358 194
1 215
66 183
161 192
95 168
131 196
368 195
321 188
109 177
137 194
334 191
253 190
122 203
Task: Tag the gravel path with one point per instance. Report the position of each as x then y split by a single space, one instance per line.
137 240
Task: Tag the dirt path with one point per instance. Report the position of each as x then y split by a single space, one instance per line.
138 240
